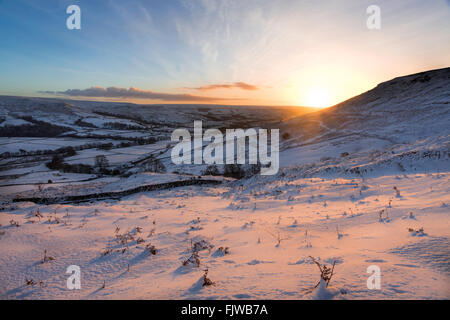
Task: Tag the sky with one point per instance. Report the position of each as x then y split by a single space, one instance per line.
237 52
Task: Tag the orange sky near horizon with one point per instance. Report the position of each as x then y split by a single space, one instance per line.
253 52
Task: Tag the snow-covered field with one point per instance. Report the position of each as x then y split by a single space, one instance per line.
270 231
362 184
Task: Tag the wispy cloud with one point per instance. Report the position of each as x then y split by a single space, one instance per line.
236 85
132 93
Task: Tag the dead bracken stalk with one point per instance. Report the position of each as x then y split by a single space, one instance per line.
326 273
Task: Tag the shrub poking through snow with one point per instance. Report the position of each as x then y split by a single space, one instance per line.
14 223
201 245
307 243
339 235
152 249
383 214
397 192
223 251
193 259
206 280
55 220
326 273
419 233
47 258
194 228
30 282
107 251
125 238
278 237
38 214
195 248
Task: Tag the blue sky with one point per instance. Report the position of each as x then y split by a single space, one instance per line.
237 52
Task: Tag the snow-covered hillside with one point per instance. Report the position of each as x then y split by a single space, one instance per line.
401 110
403 115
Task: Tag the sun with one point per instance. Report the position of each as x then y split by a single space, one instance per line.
318 97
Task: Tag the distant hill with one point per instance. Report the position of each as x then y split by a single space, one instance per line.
70 113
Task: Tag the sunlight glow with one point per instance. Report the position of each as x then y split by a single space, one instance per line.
318 97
